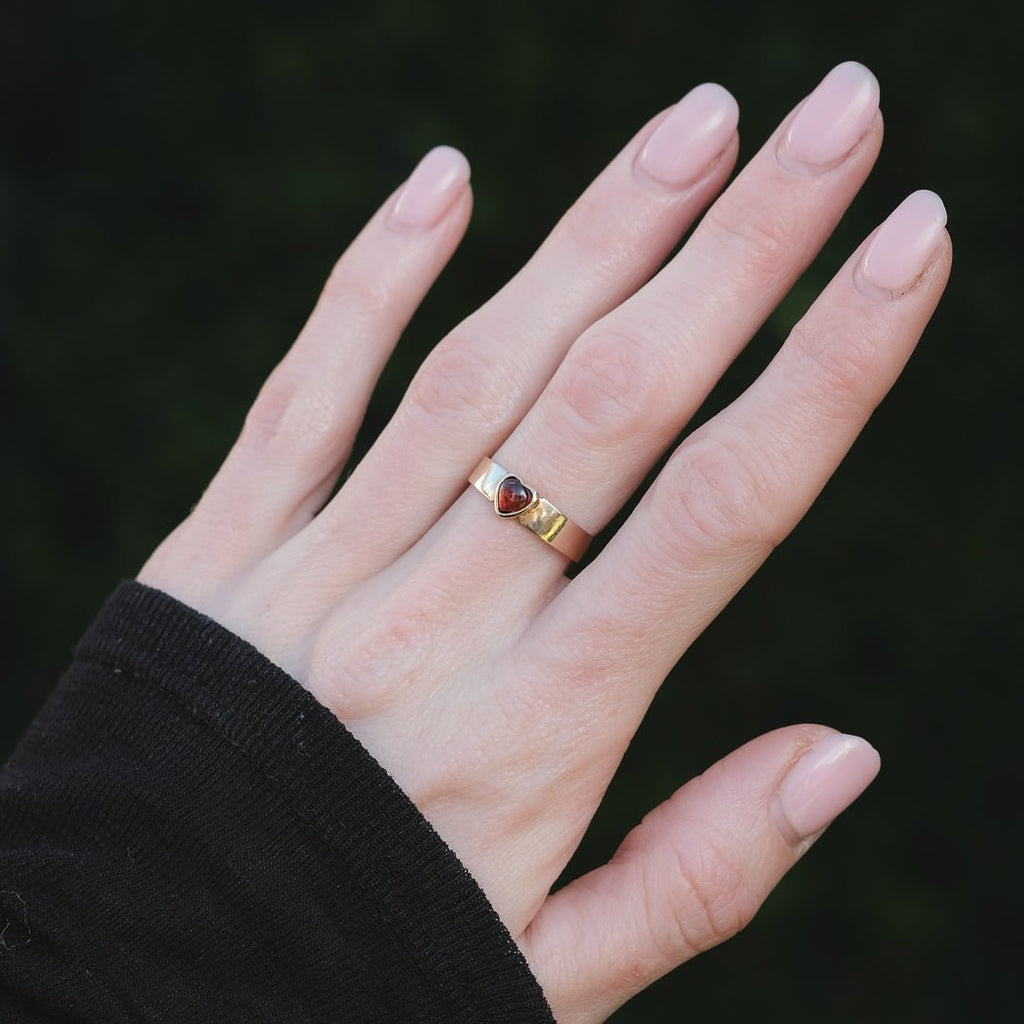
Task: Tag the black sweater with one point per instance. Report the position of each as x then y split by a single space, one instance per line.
187 835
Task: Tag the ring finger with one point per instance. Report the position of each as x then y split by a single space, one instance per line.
480 380
631 382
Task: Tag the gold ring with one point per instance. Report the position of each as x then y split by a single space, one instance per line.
512 499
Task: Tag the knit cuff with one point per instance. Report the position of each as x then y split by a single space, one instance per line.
374 833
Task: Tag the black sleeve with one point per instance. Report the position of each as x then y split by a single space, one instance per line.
186 834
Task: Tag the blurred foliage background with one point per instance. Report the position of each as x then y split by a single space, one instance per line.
175 182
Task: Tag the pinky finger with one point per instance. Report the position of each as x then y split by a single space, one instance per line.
695 871
301 428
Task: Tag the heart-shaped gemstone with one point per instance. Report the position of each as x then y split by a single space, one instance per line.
513 497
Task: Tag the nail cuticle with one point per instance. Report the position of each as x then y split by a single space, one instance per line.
690 139
832 122
430 192
793 838
786 160
899 254
682 190
823 782
870 290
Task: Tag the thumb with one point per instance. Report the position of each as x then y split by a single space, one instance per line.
695 870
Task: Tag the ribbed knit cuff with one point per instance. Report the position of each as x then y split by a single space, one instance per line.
335 787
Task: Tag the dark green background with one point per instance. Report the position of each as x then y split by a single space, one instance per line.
176 181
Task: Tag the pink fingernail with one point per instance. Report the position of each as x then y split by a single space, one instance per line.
696 130
902 247
832 120
430 190
825 781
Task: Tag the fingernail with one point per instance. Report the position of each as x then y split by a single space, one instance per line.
902 247
430 190
824 782
696 130
832 120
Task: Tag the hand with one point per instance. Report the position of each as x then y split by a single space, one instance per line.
500 695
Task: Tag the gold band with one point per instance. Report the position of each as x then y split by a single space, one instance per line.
512 499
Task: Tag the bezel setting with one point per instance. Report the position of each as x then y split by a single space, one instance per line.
514 513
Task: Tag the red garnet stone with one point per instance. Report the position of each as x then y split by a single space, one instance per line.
513 496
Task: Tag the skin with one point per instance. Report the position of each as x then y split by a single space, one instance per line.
505 720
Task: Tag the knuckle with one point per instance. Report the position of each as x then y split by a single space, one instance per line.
605 240
466 774
292 416
355 292
361 673
608 649
709 899
690 898
759 235
842 361
610 386
714 498
460 383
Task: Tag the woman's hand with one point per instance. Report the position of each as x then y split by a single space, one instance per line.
500 695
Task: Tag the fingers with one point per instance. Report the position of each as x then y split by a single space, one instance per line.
480 380
301 427
631 382
695 871
740 483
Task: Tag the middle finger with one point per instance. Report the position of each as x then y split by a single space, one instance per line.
632 381
482 378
